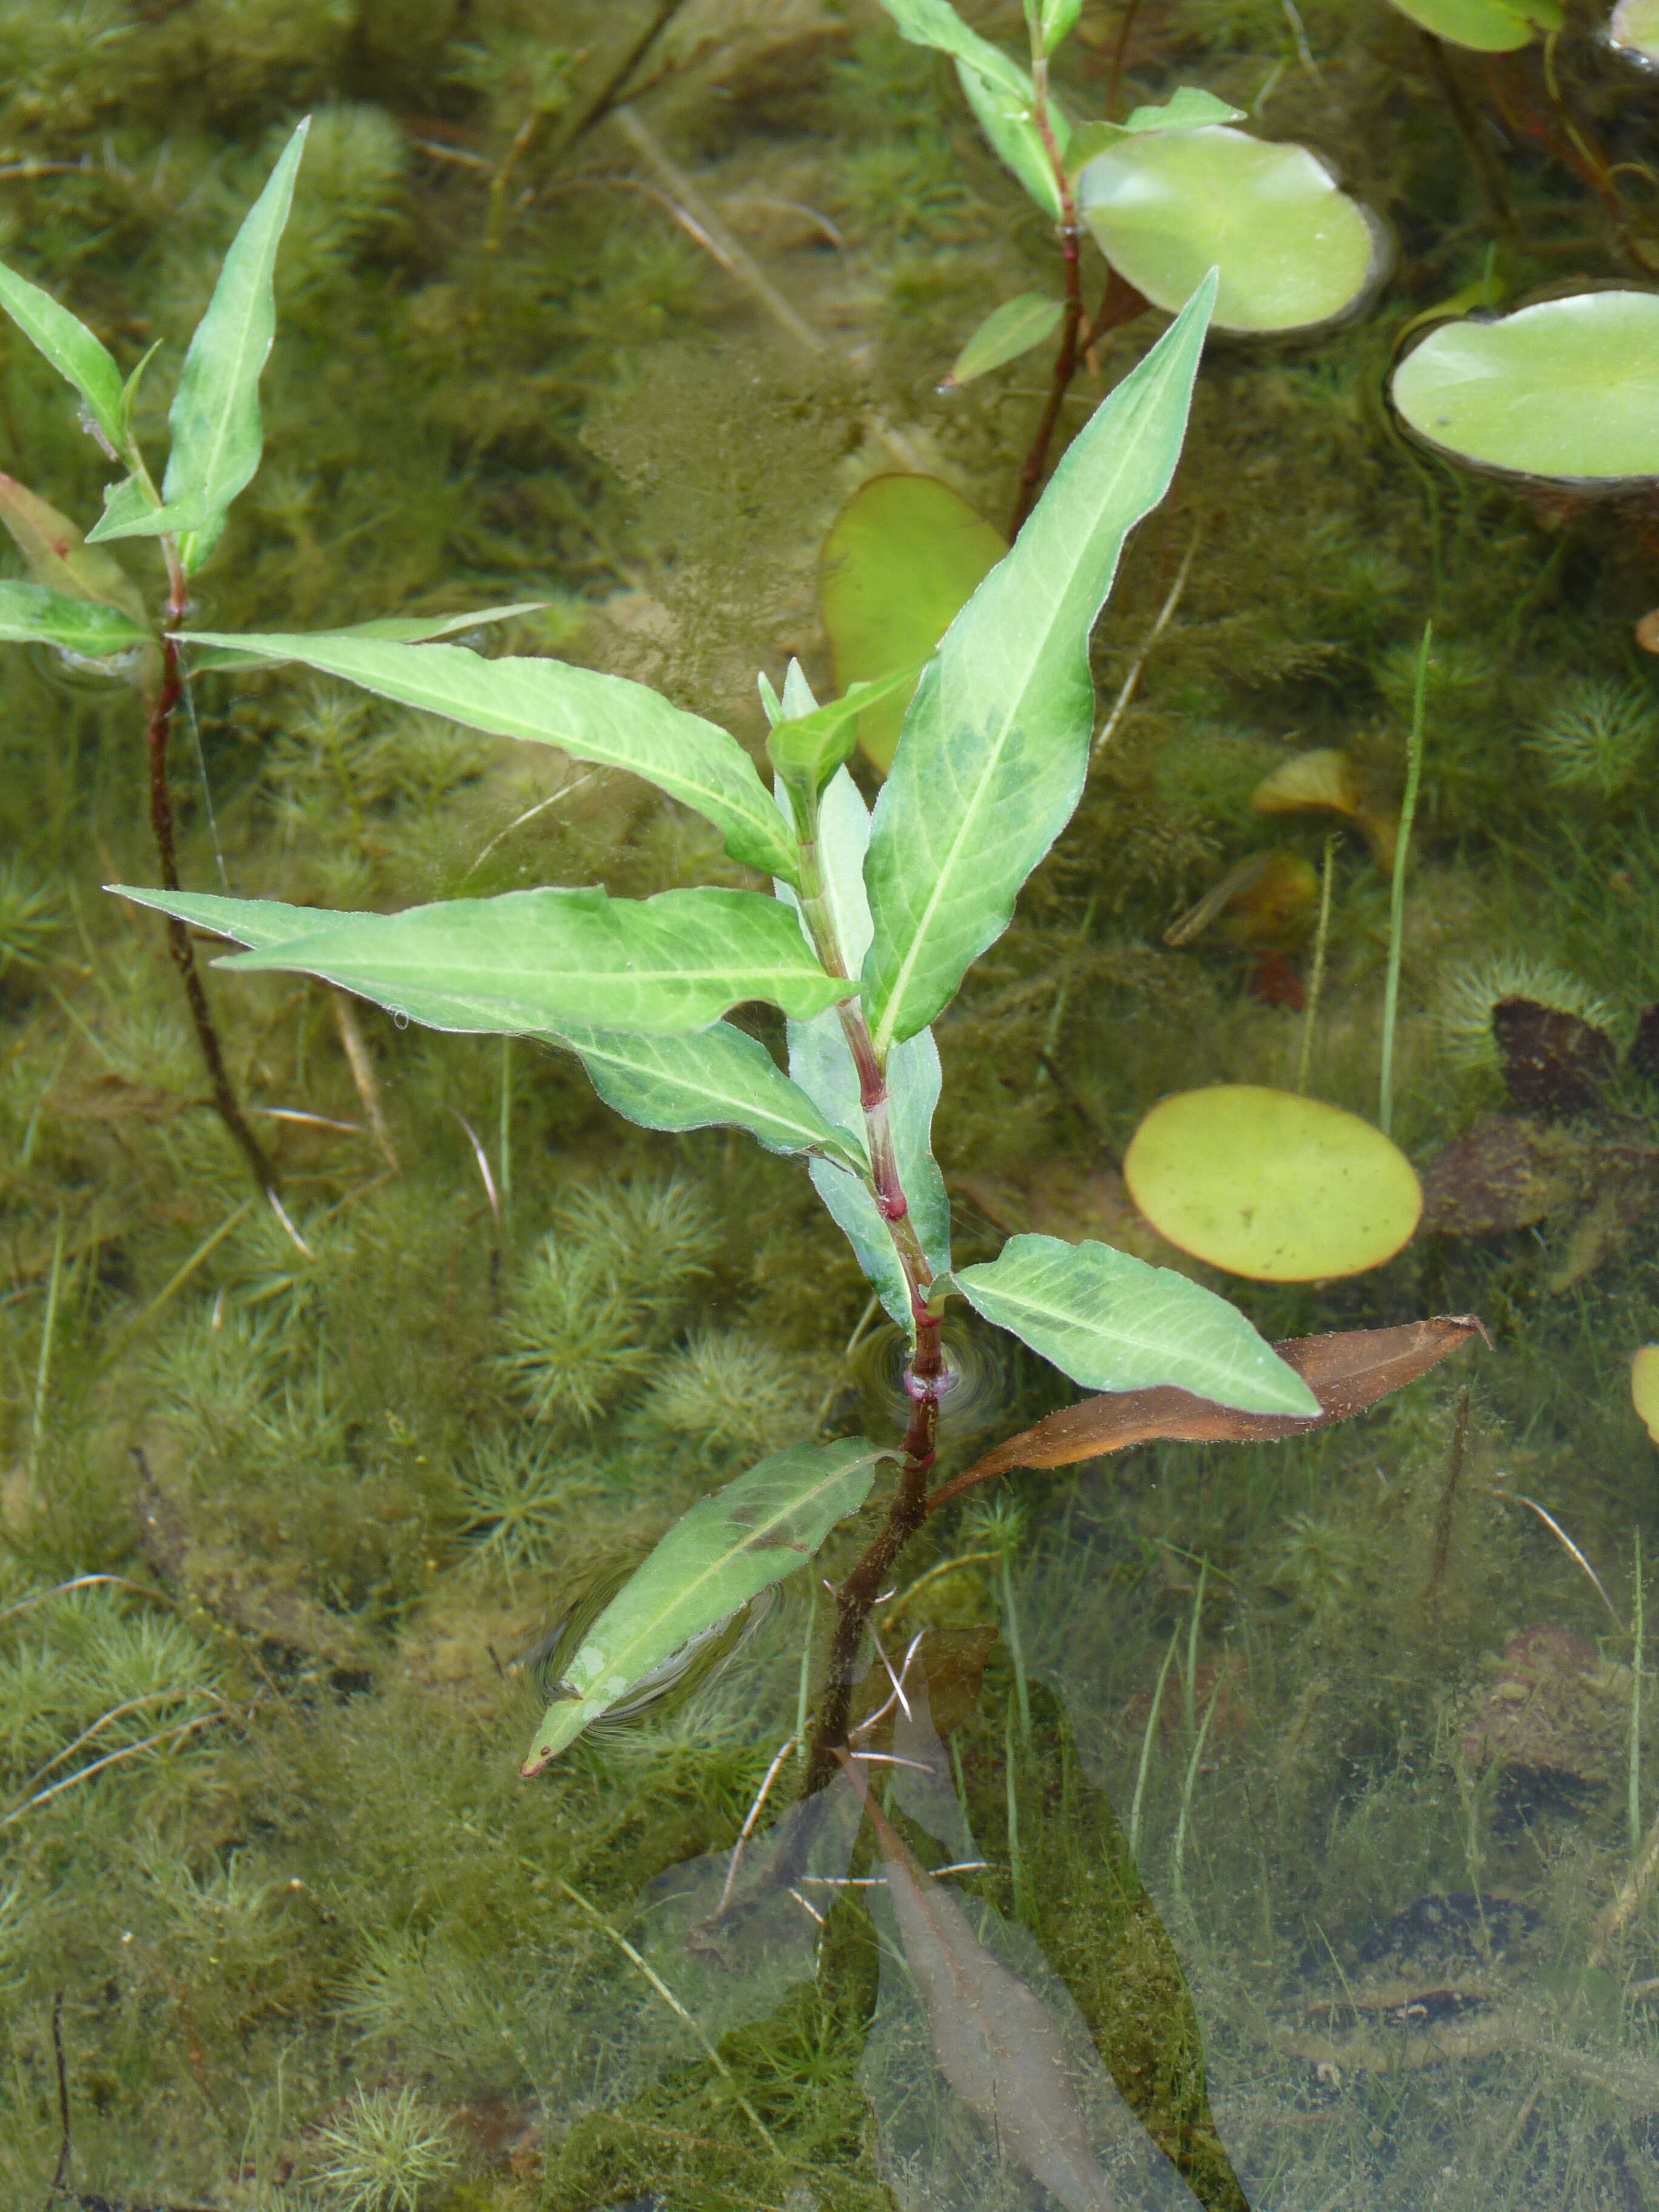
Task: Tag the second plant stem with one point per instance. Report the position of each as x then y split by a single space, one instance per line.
163 703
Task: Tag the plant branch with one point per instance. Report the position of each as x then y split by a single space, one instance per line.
163 703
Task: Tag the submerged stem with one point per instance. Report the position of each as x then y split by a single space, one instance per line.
163 703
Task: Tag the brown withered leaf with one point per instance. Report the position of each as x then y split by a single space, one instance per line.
1346 1371
111 1097
1553 1062
997 2044
1506 1172
951 1662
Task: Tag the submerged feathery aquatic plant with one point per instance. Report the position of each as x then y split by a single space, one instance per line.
1597 735
29 915
520 1497
383 2152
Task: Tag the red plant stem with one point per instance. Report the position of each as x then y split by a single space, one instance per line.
1120 55
164 701
925 1372
1120 303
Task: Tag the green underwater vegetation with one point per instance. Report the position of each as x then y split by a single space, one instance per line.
1307 1784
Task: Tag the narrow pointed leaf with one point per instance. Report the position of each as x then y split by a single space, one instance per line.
1006 118
530 961
130 508
821 1062
604 718
397 629
70 347
30 614
1007 331
1346 1371
217 436
997 2044
718 1078
995 746
809 748
1057 20
936 23
1113 1322
57 555
725 1551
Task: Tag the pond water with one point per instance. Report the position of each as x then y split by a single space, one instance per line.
1300 1797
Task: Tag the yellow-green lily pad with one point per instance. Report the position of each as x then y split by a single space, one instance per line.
1294 250
1635 29
903 558
1266 1184
1644 1388
1566 390
1490 26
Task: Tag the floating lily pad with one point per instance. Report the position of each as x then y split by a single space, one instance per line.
902 559
1567 390
1491 26
1644 1388
1635 29
1294 250
1266 1184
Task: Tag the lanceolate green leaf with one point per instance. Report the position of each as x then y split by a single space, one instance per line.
530 961
56 554
1006 118
725 1551
399 629
1006 333
30 614
936 23
217 436
822 1064
1112 1322
995 746
70 347
719 1077
592 717
807 749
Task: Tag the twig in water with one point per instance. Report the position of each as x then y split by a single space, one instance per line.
1317 979
1637 1640
1397 895
482 1158
62 2166
1146 1744
1131 683
43 1364
362 1072
673 2003
718 240
112 1758
747 1829
1567 1545
1448 1506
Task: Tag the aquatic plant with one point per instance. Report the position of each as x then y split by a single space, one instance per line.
874 924
1468 993
1596 735
30 915
1167 193
384 2153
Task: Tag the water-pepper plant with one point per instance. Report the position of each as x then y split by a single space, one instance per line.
78 599
870 924
1167 193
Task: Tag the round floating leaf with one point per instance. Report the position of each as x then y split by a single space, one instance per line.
1644 1388
1568 389
1491 26
903 558
1293 250
1266 1184
1635 30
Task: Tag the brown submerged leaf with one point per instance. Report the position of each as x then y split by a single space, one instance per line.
1506 1172
1554 1063
1346 1371
997 2044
